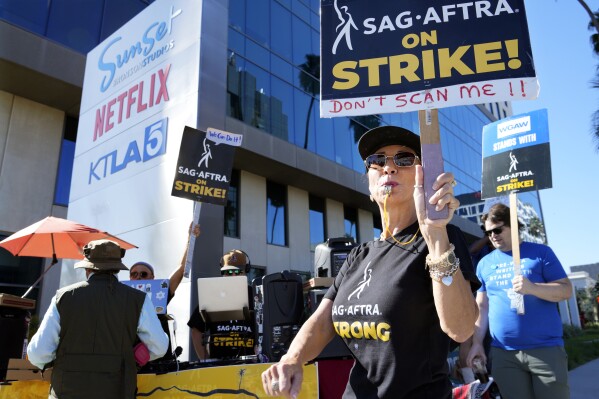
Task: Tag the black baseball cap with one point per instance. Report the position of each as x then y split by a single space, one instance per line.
382 136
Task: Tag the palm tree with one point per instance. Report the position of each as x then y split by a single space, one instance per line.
276 199
310 81
361 124
536 228
594 25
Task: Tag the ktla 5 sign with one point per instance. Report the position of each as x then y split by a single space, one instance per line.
397 56
139 150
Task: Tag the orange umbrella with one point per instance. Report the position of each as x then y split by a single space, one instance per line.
55 238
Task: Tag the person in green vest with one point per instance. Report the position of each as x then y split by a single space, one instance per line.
88 333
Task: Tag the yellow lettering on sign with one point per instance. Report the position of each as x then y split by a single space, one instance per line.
429 64
200 189
515 186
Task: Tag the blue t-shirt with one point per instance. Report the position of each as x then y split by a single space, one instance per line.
541 325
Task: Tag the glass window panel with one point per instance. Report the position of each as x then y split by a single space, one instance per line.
232 207
280 32
276 214
325 138
65 170
308 73
282 68
236 42
315 6
317 221
343 142
76 24
302 118
257 97
301 10
31 17
116 14
301 40
315 18
282 110
237 14
236 87
315 35
350 222
257 54
65 162
256 15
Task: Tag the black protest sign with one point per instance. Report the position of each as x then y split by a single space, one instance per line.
382 56
204 166
516 155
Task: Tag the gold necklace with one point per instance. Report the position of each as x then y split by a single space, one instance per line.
386 222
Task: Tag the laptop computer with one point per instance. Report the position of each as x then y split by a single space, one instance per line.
223 298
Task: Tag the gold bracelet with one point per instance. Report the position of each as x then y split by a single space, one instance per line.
443 268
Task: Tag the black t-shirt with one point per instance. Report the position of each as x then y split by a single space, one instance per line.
385 312
226 339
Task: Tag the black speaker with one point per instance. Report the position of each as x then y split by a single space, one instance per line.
278 308
14 326
330 255
336 349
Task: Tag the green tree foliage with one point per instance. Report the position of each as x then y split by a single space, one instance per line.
594 26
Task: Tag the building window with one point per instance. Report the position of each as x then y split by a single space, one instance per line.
17 273
378 227
65 163
317 221
276 214
350 221
232 207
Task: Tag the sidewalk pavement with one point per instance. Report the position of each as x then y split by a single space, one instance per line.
584 381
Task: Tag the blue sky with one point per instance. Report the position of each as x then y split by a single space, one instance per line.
566 67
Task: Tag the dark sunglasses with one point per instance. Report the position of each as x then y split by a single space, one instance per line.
230 272
401 159
496 231
140 274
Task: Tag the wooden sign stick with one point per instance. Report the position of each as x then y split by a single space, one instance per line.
432 157
516 244
197 208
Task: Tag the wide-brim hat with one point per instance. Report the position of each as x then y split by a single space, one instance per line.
102 255
379 137
233 260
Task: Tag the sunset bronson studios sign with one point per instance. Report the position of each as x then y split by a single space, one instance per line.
140 91
381 56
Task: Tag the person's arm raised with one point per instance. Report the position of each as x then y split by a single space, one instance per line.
454 302
177 274
311 339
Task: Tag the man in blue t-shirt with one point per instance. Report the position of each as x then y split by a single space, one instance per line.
529 360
